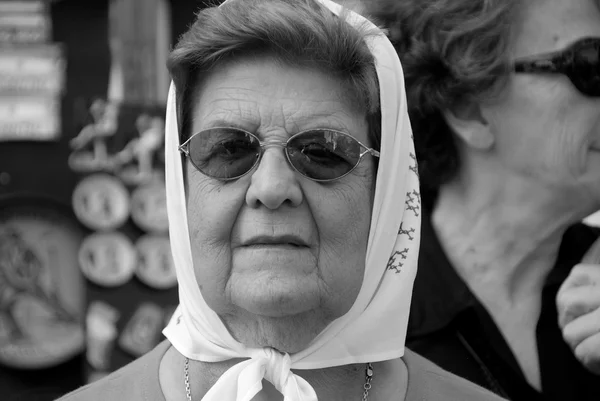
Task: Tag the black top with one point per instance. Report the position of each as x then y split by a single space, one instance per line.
449 326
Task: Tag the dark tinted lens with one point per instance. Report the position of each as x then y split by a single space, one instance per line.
585 68
322 154
224 153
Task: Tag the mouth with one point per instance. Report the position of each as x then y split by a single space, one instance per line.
279 241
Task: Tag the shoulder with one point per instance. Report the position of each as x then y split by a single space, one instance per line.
428 381
133 382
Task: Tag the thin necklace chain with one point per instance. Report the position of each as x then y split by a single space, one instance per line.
186 371
367 386
368 378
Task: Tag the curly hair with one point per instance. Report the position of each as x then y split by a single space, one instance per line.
451 50
299 33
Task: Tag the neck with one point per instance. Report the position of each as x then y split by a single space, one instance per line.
390 380
502 231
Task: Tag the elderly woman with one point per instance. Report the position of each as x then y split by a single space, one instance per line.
504 100
286 163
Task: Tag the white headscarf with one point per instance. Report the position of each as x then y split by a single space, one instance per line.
375 327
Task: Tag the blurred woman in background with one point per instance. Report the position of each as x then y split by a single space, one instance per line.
504 100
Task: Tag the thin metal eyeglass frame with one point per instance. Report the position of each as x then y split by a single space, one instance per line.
184 148
556 62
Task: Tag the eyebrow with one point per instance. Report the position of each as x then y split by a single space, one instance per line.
236 123
302 125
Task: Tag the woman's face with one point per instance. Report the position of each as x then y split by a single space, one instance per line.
276 255
545 129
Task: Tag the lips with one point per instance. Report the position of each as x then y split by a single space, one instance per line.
270 240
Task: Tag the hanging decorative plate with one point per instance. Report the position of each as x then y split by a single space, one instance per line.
107 259
155 266
101 202
149 208
41 286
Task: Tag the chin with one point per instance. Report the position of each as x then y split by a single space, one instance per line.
281 304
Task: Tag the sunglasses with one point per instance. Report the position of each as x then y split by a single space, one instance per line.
230 153
580 62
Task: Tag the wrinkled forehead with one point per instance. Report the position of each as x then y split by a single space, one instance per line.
260 91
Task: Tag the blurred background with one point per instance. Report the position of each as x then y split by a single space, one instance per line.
86 276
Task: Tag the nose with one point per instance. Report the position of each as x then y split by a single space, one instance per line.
274 182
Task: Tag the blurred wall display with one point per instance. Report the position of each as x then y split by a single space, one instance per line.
118 154
32 69
32 73
41 285
24 21
42 288
82 29
29 117
126 258
140 40
42 298
83 100
36 127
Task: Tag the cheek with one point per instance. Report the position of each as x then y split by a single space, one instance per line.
211 210
543 132
342 215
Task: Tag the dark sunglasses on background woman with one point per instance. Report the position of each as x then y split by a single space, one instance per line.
580 62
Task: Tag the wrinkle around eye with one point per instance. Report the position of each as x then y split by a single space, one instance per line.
202 185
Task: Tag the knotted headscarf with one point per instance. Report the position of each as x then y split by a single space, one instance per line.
374 329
